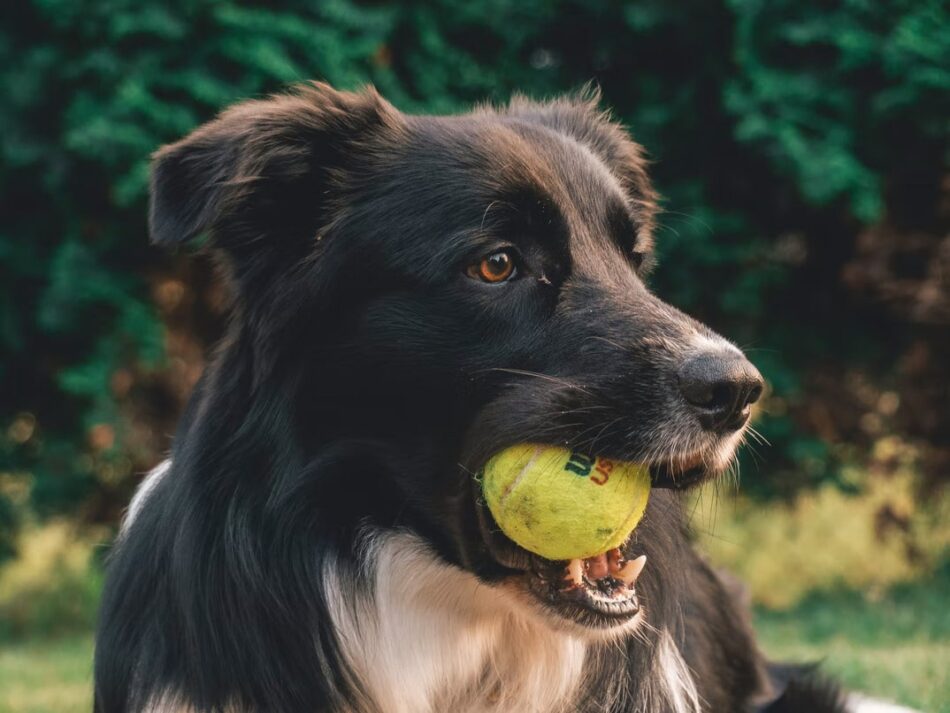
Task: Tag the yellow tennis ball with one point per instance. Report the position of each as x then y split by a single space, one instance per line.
562 504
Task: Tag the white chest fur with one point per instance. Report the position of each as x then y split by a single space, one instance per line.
433 638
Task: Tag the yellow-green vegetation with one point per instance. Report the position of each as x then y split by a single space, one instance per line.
52 588
867 540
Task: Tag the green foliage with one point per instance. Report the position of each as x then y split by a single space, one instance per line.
777 129
825 95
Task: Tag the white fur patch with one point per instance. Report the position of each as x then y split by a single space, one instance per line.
146 488
676 685
858 703
433 638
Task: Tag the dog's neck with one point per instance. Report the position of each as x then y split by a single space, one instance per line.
431 637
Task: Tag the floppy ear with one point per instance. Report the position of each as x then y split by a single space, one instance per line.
579 116
256 179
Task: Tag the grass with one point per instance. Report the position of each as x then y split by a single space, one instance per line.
46 676
895 646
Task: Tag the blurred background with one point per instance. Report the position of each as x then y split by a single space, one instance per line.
802 150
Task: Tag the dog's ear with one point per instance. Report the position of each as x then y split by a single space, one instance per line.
580 116
257 179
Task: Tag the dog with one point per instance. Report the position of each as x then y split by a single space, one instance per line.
412 294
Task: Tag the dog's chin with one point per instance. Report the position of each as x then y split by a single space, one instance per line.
596 596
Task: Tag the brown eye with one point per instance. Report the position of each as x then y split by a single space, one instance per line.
497 267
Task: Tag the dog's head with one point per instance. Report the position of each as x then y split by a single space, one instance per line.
425 291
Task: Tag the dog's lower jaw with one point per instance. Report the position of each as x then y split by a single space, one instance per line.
427 636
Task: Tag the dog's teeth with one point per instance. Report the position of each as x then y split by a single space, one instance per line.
597 566
629 572
575 572
614 560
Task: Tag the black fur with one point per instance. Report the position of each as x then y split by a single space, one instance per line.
365 376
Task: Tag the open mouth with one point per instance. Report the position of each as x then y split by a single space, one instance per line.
597 592
602 588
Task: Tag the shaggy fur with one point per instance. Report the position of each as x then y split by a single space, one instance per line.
316 542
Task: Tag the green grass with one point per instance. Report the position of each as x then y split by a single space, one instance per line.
46 676
896 646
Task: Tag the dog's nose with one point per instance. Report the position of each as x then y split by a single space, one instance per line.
721 387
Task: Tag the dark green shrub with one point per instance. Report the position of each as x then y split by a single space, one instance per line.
780 130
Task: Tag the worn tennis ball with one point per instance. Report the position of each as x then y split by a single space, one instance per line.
562 504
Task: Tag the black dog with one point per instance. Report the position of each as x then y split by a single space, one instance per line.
411 295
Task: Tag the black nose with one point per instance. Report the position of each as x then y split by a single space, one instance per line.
721 387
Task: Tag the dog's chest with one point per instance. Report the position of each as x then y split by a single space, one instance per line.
434 639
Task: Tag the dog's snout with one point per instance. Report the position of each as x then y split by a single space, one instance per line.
721 387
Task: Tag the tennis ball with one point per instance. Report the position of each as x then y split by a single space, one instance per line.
562 504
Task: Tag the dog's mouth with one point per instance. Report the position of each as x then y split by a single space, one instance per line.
598 592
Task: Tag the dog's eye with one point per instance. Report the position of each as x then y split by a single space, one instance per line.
497 267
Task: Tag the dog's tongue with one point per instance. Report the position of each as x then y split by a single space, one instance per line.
611 563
